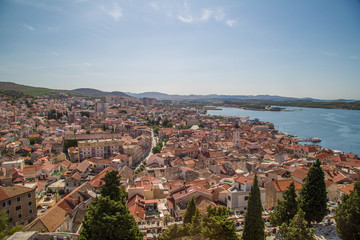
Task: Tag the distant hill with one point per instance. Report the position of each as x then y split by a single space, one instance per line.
163 96
97 93
10 87
17 90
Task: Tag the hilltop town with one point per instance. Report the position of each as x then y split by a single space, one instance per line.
55 150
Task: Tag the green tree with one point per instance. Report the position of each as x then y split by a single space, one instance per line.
195 228
108 219
297 228
32 140
3 223
347 214
172 232
286 209
217 226
156 149
111 188
156 129
190 211
313 195
201 125
169 125
254 223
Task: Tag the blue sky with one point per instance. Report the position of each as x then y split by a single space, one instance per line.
300 48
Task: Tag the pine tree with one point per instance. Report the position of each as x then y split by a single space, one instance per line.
347 215
287 208
217 226
254 223
313 195
112 188
109 219
297 228
190 211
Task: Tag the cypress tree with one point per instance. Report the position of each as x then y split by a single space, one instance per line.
254 223
190 211
313 195
286 209
347 214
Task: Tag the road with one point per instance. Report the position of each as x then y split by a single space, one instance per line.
153 144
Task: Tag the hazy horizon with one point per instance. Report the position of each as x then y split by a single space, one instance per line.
292 49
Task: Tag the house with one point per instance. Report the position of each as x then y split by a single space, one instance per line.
188 173
238 193
276 188
19 203
67 214
72 182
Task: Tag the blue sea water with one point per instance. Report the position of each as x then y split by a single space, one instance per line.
339 129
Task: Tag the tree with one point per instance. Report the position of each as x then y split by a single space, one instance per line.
32 140
156 129
3 223
111 188
169 125
217 226
313 195
190 211
286 209
347 214
109 219
297 228
254 223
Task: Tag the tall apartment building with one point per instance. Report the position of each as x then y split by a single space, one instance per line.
102 107
19 203
99 148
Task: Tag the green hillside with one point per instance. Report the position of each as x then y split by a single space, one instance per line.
16 90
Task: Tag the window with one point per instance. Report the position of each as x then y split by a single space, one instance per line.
229 198
18 199
29 203
19 215
246 198
7 211
30 211
18 208
4 204
9 202
29 195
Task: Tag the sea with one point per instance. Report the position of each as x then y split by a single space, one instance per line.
338 129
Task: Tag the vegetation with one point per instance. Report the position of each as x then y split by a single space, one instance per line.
285 209
190 211
158 147
111 188
313 195
261 104
70 143
9 87
347 215
297 228
108 216
254 223
33 140
3 223
213 225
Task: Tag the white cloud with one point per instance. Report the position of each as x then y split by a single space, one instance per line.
206 15
185 14
230 23
116 12
219 15
54 53
154 6
29 27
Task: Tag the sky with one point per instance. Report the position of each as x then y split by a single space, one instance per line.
297 48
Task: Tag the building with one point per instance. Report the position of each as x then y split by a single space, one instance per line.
238 194
99 148
275 190
101 107
19 203
149 101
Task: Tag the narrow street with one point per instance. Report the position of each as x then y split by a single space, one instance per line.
153 144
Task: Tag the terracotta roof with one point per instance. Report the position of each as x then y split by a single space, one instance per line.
243 179
347 189
12 191
281 185
300 173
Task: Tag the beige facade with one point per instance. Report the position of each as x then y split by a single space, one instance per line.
99 148
19 203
